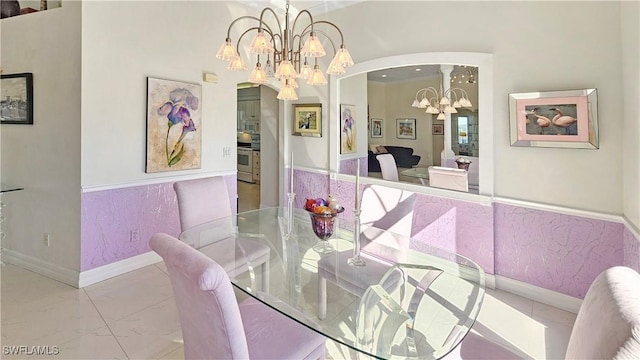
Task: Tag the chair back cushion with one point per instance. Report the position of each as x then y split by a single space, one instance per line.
202 200
388 167
209 314
389 209
448 178
608 323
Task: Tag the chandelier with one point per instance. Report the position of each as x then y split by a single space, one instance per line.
468 75
286 51
441 101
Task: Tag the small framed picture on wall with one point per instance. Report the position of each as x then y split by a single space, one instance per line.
438 129
307 120
376 128
406 129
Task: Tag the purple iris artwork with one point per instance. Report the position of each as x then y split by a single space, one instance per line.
177 113
173 125
348 138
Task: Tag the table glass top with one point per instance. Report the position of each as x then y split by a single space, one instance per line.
422 172
402 304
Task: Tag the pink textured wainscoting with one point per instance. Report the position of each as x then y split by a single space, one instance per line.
109 216
308 184
463 227
559 252
348 166
631 250
459 226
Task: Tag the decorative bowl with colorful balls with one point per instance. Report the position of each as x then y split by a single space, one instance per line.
323 213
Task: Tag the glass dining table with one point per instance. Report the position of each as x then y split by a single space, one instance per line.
402 304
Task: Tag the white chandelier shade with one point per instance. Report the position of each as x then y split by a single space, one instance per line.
286 49
287 92
236 64
440 102
258 75
317 77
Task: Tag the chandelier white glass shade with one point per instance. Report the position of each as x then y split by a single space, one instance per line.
440 102
286 50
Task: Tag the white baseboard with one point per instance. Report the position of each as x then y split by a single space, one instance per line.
42 267
75 278
108 271
489 281
536 293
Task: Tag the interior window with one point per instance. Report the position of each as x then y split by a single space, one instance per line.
463 130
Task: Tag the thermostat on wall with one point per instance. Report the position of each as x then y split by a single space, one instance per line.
210 77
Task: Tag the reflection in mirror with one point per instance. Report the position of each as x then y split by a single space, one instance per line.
406 118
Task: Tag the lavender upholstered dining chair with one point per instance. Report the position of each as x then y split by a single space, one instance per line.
388 167
214 325
448 178
607 325
206 200
608 322
383 208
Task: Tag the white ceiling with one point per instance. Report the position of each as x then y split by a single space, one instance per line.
314 7
412 73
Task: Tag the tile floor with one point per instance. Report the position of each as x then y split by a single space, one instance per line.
248 196
133 316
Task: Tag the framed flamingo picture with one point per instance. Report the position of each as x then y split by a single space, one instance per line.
561 119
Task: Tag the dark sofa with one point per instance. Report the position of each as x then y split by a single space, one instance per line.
403 156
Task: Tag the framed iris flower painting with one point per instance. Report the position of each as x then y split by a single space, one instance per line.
174 133
348 129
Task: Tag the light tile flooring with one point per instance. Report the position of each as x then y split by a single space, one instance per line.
133 316
248 196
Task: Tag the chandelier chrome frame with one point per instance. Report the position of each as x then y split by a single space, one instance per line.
287 50
440 102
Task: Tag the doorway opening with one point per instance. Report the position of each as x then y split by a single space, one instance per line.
257 162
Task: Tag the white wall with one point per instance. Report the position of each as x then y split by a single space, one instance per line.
121 46
535 49
269 149
44 157
630 30
376 95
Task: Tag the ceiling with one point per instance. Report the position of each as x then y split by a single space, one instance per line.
314 7
414 72
323 6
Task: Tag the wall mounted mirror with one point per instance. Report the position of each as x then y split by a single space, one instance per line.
381 94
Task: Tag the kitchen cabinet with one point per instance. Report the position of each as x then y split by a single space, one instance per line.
256 167
249 115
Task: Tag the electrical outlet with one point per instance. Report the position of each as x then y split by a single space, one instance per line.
134 235
47 239
226 151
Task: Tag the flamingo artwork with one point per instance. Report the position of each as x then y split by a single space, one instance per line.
564 121
542 121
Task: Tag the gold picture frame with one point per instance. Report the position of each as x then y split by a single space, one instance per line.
307 120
